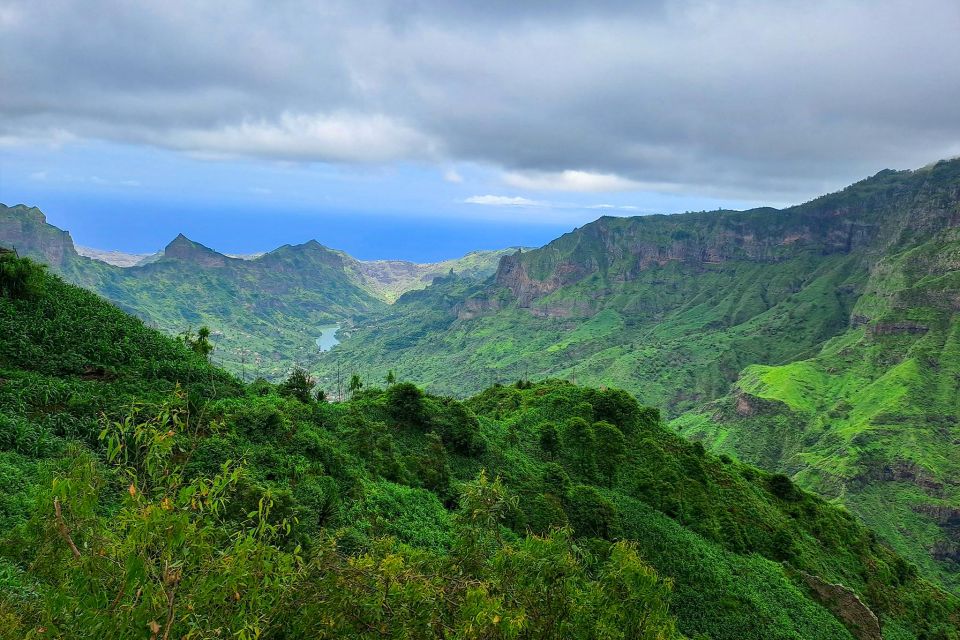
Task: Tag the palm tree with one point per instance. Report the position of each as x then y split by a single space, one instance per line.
355 384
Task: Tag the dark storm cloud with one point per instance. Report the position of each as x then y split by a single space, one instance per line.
759 99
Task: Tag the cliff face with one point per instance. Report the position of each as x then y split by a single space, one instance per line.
870 217
26 230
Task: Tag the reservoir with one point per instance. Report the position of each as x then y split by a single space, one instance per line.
327 338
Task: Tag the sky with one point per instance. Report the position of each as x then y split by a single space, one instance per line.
423 129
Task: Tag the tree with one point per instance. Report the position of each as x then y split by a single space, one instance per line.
405 404
549 440
199 343
434 470
390 377
484 505
580 441
299 384
456 424
162 561
591 515
610 444
18 276
355 384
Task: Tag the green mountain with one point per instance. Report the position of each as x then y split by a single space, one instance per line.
873 418
145 492
265 312
676 309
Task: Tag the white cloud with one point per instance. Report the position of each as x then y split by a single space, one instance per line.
336 137
569 180
505 201
38 175
614 207
451 175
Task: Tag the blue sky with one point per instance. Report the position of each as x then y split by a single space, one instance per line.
422 129
136 199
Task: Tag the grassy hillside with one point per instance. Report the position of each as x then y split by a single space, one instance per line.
265 311
872 419
145 490
669 307
676 309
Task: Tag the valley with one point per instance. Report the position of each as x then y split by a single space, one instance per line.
819 341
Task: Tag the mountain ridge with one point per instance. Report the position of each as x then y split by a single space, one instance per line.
680 309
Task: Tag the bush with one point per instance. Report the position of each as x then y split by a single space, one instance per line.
590 514
457 426
405 405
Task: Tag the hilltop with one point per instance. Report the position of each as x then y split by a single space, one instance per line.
817 340
265 310
143 487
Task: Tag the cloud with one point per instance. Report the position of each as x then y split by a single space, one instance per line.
505 201
329 137
570 180
614 207
745 99
451 175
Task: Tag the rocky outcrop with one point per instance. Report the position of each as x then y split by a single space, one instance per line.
848 608
475 307
183 248
512 274
900 471
25 229
944 515
895 328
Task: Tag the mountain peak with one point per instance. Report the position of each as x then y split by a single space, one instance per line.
183 248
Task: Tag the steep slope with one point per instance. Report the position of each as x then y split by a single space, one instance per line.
671 307
365 514
674 308
265 310
874 418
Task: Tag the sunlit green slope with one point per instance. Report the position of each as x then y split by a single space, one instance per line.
143 489
874 418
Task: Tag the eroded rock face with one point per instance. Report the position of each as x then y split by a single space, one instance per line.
846 606
512 274
900 471
894 328
474 307
744 405
25 229
942 514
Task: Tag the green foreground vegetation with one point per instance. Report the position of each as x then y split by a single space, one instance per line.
147 494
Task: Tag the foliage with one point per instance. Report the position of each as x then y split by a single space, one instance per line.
299 384
242 509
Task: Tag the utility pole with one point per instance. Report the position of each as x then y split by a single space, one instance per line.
339 388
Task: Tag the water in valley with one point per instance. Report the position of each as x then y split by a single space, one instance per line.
328 338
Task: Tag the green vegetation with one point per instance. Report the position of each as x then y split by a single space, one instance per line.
263 313
146 493
872 419
835 320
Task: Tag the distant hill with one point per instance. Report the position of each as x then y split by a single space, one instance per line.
264 309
